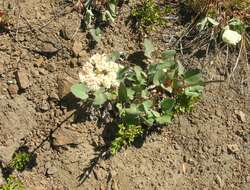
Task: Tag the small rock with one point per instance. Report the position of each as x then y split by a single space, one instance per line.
23 79
48 48
13 89
114 185
51 67
219 181
65 137
42 71
39 62
241 116
52 170
54 96
64 85
83 54
77 47
233 148
44 106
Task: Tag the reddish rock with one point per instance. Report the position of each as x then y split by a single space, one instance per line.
23 79
13 89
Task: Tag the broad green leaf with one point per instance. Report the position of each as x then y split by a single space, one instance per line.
167 54
165 119
139 74
122 92
144 93
122 73
111 95
155 114
147 105
96 34
148 48
130 93
212 21
181 69
80 91
100 97
166 64
159 77
237 25
114 56
167 105
194 91
192 76
148 121
132 110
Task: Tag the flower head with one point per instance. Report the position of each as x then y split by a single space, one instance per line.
99 72
231 37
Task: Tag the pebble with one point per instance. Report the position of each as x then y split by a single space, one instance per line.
65 137
51 67
42 71
219 181
44 106
241 116
48 48
233 148
64 85
13 89
77 47
23 79
52 170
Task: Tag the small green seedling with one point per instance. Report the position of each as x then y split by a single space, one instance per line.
13 183
149 14
20 160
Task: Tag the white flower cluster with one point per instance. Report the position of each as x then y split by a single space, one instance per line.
99 72
231 37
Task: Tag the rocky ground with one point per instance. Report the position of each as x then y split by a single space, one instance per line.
41 55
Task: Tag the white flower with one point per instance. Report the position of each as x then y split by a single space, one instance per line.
231 37
99 71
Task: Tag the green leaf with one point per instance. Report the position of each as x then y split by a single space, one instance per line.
111 95
159 77
192 76
148 121
115 55
132 110
130 93
167 105
212 21
166 64
167 54
181 69
147 105
80 91
122 92
100 97
96 34
122 73
164 119
139 74
144 93
194 91
148 48
155 114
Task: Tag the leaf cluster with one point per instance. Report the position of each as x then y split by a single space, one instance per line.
98 11
149 14
20 160
12 184
147 96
